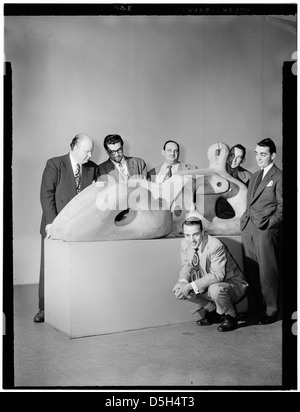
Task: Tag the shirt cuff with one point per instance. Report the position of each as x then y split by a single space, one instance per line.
184 281
194 286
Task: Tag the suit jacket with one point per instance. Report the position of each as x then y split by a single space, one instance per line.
244 175
181 167
136 168
241 174
264 208
58 186
216 264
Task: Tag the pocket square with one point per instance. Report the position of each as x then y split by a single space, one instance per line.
270 183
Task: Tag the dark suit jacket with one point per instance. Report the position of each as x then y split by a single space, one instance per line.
58 186
264 208
240 174
136 168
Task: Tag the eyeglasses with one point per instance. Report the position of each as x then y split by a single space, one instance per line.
112 152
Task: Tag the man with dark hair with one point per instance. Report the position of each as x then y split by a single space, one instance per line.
171 164
261 228
63 178
236 157
118 166
209 278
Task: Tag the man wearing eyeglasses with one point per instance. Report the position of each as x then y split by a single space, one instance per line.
118 166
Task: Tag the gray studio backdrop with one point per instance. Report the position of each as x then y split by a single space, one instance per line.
195 79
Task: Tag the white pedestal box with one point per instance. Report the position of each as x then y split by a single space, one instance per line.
94 288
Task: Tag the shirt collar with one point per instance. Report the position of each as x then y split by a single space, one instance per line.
266 169
73 163
174 166
123 162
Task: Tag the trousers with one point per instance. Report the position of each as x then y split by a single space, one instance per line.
222 294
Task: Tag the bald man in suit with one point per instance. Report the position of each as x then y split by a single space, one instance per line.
261 229
171 165
118 166
63 177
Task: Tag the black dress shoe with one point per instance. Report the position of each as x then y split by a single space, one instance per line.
229 323
248 315
210 318
267 320
39 317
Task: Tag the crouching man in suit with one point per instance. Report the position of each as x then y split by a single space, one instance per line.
210 278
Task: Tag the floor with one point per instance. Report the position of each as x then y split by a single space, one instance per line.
183 356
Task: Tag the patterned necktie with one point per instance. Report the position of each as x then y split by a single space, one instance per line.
168 174
195 273
258 180
77 178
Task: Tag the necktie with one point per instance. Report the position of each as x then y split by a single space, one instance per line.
168 174
77 178
195 273
122 171
258 180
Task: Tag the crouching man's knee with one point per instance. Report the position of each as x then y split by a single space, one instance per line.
217 291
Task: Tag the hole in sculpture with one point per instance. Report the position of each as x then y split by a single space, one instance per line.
177 211
125 217
224 210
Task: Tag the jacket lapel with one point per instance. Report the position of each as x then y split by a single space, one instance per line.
263 183
85 176
130 166
68 176
112 170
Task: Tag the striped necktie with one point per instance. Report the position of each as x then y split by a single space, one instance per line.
77 178
168 174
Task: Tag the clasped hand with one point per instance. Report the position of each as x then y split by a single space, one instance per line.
181 290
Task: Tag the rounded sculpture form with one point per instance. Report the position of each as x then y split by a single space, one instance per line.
141 209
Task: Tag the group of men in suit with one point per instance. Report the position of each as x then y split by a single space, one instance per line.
210 278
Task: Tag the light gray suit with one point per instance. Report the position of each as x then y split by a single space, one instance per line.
222 280
136 168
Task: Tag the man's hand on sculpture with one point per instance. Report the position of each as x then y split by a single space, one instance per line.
47 229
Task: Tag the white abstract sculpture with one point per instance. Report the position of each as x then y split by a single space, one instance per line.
141 209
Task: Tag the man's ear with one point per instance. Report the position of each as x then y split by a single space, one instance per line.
273 155
163 152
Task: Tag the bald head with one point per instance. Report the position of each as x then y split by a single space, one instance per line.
82 147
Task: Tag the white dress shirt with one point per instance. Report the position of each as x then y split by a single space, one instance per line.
266 169
123 170
74 164
163 171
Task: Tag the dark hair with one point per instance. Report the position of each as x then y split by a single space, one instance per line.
241 147
193 221
268 143
112 139
74 141
171 141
